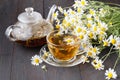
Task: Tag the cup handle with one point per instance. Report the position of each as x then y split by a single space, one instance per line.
8 32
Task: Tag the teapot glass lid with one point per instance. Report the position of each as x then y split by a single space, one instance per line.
29 16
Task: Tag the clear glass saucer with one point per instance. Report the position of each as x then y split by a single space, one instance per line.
48 58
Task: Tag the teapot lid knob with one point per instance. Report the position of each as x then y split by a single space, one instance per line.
29 10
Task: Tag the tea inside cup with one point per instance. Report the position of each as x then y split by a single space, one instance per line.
63 46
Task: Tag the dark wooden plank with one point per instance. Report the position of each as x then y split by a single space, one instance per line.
22 68
7 16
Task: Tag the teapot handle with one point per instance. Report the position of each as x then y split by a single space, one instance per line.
8 32
52 10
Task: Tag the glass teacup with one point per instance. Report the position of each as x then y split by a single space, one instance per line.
63 46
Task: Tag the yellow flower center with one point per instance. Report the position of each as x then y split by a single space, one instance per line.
89 19
91 12
82 2
94 50
89 53
97 66
110 75
64 21
88 25
99 24
55 15
73 20
100 38
113 41
57 26
65 14
79 30
72 12
102 29
101 32
78 10
36 60
95 28
105 43
69 40
91 35
68 24
81 36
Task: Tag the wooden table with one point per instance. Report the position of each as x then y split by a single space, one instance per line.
15 61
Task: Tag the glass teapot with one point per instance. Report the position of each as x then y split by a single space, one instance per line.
31 29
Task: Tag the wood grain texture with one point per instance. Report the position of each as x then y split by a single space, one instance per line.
15 61
7 16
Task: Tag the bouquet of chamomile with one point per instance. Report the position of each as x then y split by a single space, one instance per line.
97 25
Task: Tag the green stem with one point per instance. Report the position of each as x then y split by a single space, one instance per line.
117 60
110 19
108 53
113 4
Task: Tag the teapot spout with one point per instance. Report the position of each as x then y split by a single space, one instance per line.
52 10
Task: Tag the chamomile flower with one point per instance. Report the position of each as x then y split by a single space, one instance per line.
80 10
76 4
89 53
89 17
113 39
117 45
92 35
84 59
69 40
106 42
46 54
103 26
94 28
110 73
102 12
83 3
95 50
101 37
98 64
66 23
65 13
55 15
36 60
89 24
92 12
